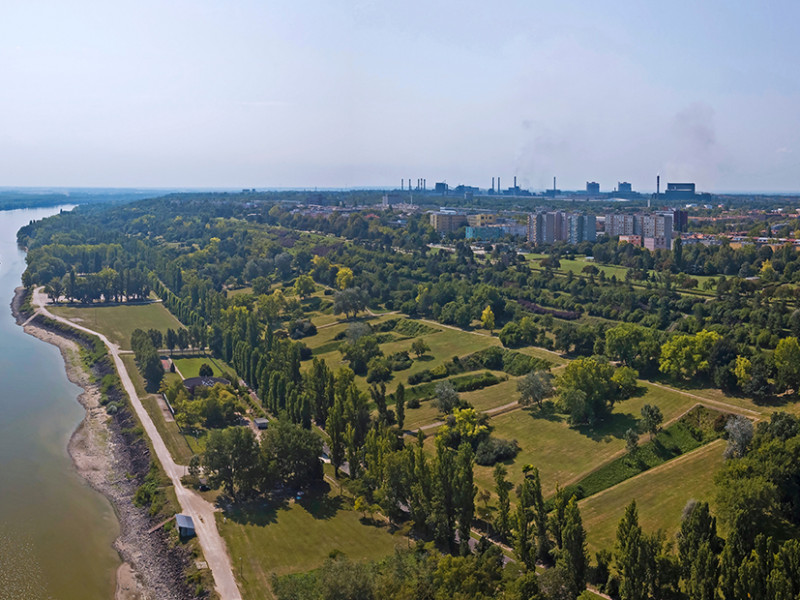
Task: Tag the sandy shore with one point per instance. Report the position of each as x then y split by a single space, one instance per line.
150 570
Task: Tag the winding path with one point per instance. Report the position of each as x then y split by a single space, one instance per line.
192 504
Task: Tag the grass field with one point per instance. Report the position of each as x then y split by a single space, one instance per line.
660 495
444 343
685 435
118 322
564 454
293 537
576 266
190 367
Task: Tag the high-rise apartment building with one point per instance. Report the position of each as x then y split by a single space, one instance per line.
558 226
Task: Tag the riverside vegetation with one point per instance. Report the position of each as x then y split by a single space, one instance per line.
295 306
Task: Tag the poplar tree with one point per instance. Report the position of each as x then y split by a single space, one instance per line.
631 556
465 493
400 405
503 520
698 551
335 429
573 552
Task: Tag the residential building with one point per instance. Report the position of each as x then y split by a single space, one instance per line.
447 222
592 187
557 226
636 240
619 224
481 220
623 187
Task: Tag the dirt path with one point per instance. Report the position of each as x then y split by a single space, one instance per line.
715 403
201 511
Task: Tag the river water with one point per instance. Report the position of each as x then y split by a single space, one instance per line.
55 531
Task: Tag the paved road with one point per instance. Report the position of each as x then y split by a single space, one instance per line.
192 504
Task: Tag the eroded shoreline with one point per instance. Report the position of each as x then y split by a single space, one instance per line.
150 569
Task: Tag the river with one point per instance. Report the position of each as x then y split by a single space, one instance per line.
56 533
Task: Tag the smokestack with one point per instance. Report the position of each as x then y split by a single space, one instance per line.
658 185
554 184
498 184
515 183
402 184
492 183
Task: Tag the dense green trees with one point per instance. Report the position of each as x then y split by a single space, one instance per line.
192 250
147 358
287 455
686 356
588 388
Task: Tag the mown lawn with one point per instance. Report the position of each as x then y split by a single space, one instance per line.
190 367
660 495
683 436
564 454
118 322
293 537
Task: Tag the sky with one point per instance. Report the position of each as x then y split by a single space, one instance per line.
306 93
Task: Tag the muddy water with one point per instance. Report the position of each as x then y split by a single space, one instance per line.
55 531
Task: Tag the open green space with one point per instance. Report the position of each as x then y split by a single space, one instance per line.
444 343
577 265
190 367
297 536
660 495
564 454
691 431
117 323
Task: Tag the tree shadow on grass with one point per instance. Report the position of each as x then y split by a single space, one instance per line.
614 426
320 505
260 512
698 387
547 412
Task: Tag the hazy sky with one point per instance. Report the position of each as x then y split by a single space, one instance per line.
260 93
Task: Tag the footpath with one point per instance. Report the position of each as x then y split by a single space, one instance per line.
192 504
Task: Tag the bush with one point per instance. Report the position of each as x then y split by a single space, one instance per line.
493 450
413 402
399 361
469 383
302 328
378 370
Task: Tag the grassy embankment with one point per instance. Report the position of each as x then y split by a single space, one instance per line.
660 495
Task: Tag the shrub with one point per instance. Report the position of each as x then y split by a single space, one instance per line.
399 361
494 450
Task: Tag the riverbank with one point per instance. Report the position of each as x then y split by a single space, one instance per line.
152 567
